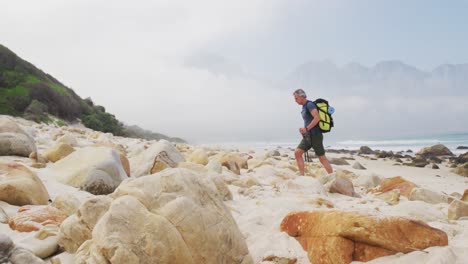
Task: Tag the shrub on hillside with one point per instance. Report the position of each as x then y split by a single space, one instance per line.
104 122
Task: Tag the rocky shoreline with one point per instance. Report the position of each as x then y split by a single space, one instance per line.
74 195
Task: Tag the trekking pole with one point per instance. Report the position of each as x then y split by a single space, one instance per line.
306 153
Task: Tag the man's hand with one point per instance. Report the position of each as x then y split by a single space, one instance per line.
302 130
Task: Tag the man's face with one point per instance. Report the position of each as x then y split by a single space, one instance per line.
299 99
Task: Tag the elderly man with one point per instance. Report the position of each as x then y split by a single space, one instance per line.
311 134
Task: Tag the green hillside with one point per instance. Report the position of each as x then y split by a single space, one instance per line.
28 92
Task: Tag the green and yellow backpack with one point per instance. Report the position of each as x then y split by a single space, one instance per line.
325 112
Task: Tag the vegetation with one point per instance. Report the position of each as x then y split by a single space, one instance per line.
29 92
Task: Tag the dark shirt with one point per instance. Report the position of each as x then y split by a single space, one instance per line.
307 116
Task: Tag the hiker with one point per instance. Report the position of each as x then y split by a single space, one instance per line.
311 134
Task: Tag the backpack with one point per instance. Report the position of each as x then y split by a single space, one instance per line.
325 112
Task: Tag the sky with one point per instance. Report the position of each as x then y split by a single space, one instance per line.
133 57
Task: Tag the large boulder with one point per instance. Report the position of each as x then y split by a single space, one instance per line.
365 150
343 237
20 186
121 150
174 216
97 170
14 141
436 150
157 157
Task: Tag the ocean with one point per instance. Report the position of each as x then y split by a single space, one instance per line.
452 141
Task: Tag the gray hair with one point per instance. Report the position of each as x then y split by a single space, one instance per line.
300 92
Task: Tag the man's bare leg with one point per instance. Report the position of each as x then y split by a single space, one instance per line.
326 164
300 162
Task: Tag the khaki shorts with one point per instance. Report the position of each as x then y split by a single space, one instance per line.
315 142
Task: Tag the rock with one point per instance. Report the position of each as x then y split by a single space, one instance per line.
457 209
303 184
367 181
365 150
20 186
199 156
97 170
232 166
273 153
435 167
435 159
11 254
66 203
343 186
384 154
222 188
58 152
166 216
320 202
343 237
245 182
463 158
436 150
391 197
77 228
417 162
157 157
465 196
38 158
38 165
396 183
428 196
338 161
280 260
214 165
358 166
68 139
33 217
462 147
3 216
14 141
461 170
43 244
236 158
122 153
